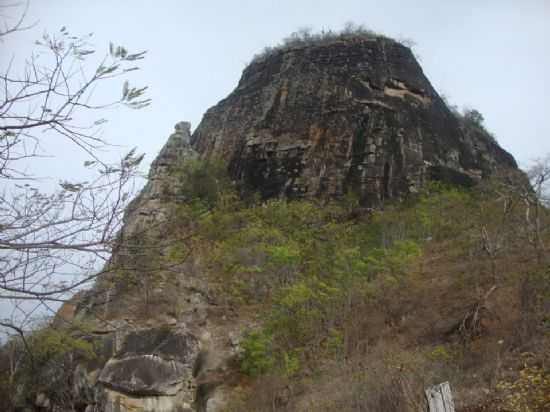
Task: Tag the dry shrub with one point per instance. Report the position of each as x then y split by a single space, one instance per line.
388 379
530 391
268 393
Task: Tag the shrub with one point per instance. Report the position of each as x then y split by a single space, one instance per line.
473 116
44 364
391 262
530 392
50 342
472 121
438 212
305 36
257 356
303 313
204 182
388 380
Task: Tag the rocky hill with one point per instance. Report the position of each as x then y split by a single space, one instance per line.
223 296
356 114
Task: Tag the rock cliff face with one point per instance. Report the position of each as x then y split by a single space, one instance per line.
354 114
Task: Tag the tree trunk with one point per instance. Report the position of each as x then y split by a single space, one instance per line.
440 398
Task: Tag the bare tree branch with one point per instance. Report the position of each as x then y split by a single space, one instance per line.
52 244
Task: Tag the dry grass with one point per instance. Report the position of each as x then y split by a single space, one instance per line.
396 346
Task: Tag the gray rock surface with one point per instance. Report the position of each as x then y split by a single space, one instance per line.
153 362
356 114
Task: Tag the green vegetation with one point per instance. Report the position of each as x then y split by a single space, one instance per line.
312 263
314 269
202 183
257 357
45 362
54 341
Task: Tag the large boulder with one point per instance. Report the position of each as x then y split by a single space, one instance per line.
152 371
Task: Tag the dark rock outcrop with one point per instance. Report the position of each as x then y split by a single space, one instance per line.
149 369
351 114
152 362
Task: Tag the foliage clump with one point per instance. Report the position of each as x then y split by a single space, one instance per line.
202 182
306 37
471 120
530 392
44 362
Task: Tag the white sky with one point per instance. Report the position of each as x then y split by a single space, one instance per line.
490 55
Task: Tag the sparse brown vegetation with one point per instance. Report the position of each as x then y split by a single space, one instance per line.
425 290
384 303
305 36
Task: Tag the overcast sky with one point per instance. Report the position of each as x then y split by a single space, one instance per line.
490 55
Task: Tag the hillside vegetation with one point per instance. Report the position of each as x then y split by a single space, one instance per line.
353 309
348 309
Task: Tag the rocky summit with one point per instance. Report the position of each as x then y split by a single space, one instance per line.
355 114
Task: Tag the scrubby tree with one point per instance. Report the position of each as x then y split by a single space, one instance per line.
51 243
536 199
474 116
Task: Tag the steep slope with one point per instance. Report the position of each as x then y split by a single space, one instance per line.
359 114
